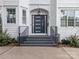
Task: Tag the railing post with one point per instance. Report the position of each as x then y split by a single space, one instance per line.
19 35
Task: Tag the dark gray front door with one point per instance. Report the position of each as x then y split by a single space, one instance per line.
39 24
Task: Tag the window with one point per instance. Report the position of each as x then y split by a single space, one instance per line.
64 21
70 18
64 18
24 17
11 15
71 15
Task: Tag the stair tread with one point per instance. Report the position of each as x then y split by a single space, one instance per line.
38 41
39 44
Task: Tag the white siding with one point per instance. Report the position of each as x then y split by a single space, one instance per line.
52 6
1 2
23 4
53 12
12 29
66 4
34 4
39 1
10 2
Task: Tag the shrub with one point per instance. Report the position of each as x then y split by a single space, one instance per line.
77 43
5 39
72 41
66 42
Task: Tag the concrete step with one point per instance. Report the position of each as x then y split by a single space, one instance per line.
38 44
38 41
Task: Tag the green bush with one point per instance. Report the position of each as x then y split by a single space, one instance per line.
77 45
66 42
5 39
72 41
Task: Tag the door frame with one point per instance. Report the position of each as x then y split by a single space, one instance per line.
46 25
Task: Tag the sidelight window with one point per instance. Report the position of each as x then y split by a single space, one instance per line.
24 16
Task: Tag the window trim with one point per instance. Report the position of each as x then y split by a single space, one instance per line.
15 16
75 25
24 16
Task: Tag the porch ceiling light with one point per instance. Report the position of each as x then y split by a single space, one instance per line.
39 11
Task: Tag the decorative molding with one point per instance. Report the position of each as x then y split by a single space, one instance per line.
39 4
24 7
10 6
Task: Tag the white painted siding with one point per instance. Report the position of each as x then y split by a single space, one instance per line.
40 1
66 4
1 2
10 2
34 4
52 6
23 4
12 29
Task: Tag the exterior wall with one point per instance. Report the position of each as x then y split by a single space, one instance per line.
52 6
66 4
53 12
12 29
34 4
39 1
23 4
1 2
48 5
28 5
10 2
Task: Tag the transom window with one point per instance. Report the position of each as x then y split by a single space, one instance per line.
11 15
24 16
70 18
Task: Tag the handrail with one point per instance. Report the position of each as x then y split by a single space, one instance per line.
23 31
54 33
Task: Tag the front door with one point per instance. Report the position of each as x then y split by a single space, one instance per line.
39 24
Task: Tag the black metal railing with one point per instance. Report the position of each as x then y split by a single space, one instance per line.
23 32
54 33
